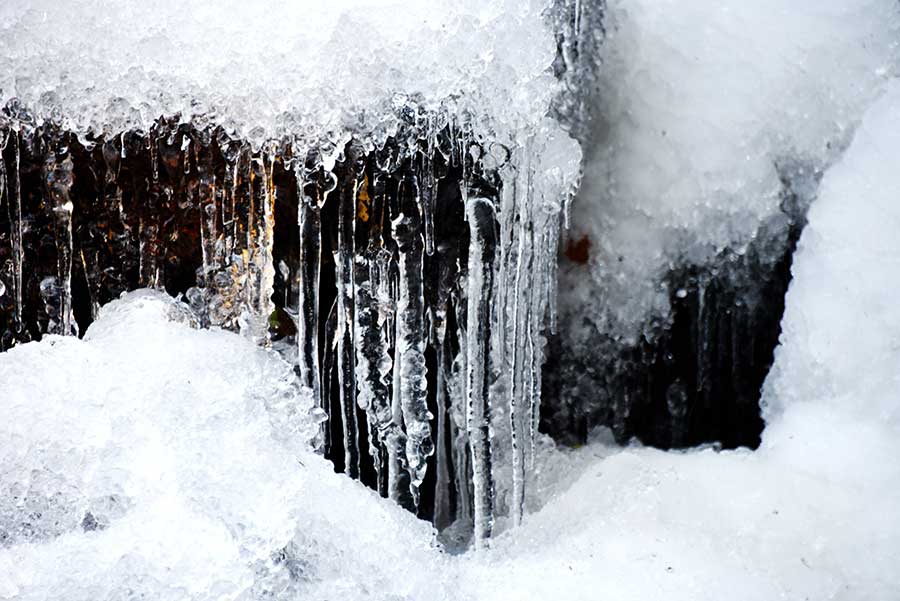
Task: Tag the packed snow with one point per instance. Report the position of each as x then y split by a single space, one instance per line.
153 460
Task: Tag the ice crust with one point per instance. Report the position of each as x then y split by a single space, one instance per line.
266 70
701 111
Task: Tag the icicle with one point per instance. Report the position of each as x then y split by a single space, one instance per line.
428 185
442 516
149 240
209 213
254 319
327 368
343 265
459 417
482 250
411 334
310 265
517 389
58 178
399 489
4 190
373 359
16 235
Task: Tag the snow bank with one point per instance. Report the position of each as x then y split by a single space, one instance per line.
701 110
164 462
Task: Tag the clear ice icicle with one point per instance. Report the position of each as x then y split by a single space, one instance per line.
410 344
482 251
308 272
343 265
58 179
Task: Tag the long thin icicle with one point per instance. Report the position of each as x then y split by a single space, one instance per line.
411 335
58 177
343 265
482 251
308 273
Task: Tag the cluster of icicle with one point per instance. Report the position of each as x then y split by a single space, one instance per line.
514 193
501 303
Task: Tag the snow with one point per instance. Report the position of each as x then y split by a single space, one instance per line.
187 449
172 462
699 112
153 459
265 69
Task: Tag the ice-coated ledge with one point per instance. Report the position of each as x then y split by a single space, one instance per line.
265 69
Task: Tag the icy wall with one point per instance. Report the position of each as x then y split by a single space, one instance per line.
379 196
710 128
133 454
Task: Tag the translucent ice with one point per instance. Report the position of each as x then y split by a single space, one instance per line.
813 513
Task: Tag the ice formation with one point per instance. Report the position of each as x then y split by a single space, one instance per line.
240 151
264 69
813 513
379 199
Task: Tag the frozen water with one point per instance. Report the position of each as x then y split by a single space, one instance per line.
266 69
208 106
841 326
159 460
698 109
155 460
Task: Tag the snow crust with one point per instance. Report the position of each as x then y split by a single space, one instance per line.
701 111
264 69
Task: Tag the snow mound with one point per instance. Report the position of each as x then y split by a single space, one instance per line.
702 111
264 69
163 462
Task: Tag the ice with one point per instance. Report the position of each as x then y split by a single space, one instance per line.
158 459
699 113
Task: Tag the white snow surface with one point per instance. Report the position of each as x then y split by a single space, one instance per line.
265 68
698 106
151 460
